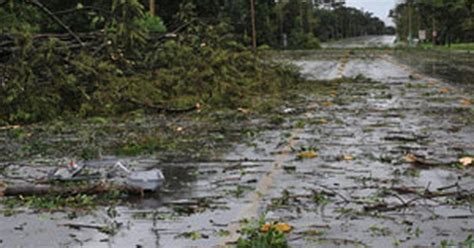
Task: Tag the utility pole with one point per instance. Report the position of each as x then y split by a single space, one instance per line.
152 7
254 25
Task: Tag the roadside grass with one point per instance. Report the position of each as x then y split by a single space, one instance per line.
453 47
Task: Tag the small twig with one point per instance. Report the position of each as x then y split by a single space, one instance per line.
346 200
399 198
448 187
78 226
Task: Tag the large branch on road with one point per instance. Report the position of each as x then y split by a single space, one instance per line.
56 19
92 189
161 109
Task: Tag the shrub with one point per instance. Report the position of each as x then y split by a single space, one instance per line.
153 24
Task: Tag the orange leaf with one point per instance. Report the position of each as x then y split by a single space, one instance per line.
444 90
466 102
265 228
307 154
283 227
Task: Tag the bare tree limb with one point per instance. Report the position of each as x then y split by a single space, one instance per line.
56 19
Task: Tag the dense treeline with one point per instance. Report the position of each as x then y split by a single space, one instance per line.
347 22
301 21
452 21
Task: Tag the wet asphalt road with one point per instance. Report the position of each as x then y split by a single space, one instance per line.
360 190
363 42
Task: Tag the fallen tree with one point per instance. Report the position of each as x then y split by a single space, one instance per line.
123 67
98 188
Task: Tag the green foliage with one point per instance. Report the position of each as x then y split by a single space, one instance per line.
126 28
451 19
204 64
51 202
254 238
17 16
46 81
152 24
304 41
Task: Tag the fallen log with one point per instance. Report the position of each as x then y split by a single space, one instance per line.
45 189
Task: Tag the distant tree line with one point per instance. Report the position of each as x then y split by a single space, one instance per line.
445 21
298 22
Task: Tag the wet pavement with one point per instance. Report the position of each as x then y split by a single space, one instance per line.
387 136
363 42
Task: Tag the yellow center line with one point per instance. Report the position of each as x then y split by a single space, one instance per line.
251 210
343 64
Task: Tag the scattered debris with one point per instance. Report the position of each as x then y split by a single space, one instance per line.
150 180
288 110
327 104
444 90
466 102
147 180
281 227
243 111
307 155
67 173
9 127
192 235
3 186
111 230
347 157
466 161
420 161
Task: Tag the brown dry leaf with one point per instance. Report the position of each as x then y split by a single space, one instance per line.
410 158
179 129
3 187
466 161
323 121
327 104
444 90
243 111
347 157
307 155
466 102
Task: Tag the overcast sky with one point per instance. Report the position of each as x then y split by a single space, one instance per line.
380 8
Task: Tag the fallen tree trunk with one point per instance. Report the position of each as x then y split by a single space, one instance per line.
44 189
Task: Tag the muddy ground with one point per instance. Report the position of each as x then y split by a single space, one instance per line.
387 132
